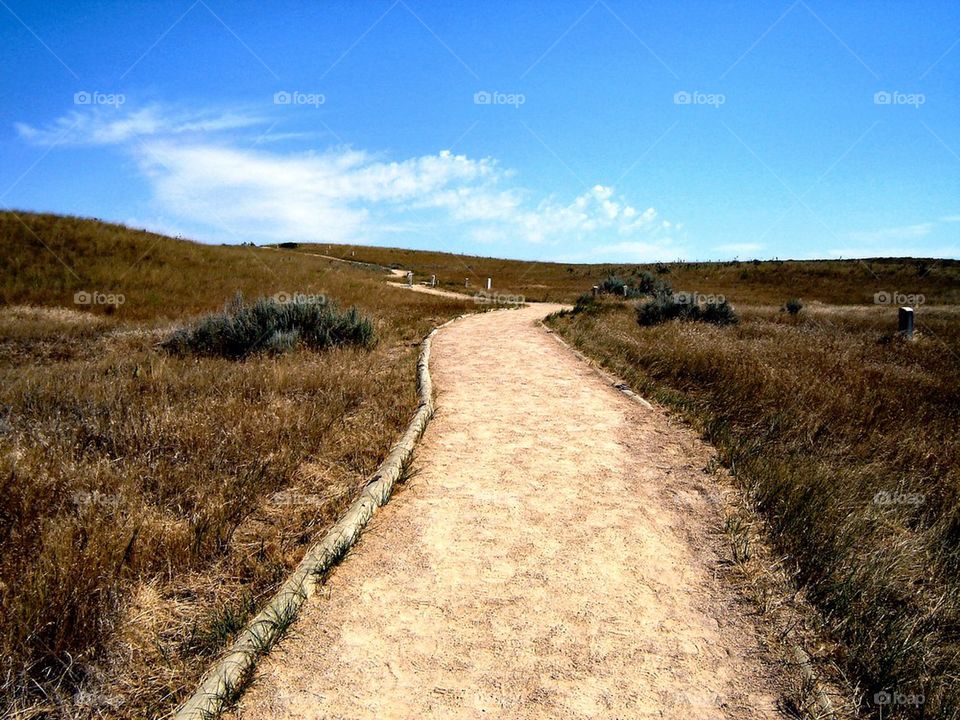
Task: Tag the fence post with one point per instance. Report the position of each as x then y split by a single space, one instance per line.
906 322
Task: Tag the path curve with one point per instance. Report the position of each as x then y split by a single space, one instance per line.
555 555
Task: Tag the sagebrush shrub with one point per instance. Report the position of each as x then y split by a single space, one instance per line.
267 325
664 307
643 285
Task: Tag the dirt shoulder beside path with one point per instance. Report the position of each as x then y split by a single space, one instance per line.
555 555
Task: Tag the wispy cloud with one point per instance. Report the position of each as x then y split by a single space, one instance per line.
111 126
201 173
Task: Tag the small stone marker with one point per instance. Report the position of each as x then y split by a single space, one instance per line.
433 281
595 290
626 291
906 322
466 282
409 279
489 283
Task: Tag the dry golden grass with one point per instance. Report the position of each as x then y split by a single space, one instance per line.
149 503
847 282
847 441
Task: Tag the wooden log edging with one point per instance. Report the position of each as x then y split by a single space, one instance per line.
221 685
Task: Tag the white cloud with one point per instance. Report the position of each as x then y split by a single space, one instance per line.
109 126
200 174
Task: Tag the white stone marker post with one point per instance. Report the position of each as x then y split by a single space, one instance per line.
489 283
906 322
409 279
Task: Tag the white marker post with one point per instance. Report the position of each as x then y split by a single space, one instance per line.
489 283
906 322
626 291
466 282
409 279
433 281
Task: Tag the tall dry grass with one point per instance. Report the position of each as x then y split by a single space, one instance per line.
149 502
847 440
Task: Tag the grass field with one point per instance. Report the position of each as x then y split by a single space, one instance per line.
150 502
846 441
851 282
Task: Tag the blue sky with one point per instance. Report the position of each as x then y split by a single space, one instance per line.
576 131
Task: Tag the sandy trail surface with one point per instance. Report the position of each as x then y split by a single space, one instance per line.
555 555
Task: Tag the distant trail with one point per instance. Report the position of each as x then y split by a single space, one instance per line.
554 555
396 274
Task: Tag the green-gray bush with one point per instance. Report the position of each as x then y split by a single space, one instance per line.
664 307
267 325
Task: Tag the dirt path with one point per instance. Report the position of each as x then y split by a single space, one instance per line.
397 274
555 555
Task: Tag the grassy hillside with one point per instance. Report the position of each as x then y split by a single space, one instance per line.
845 282
150 501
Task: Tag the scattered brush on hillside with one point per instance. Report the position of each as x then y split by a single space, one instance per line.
269 325
684 306
750 282
640 284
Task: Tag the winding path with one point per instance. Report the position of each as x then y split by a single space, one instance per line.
554 555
